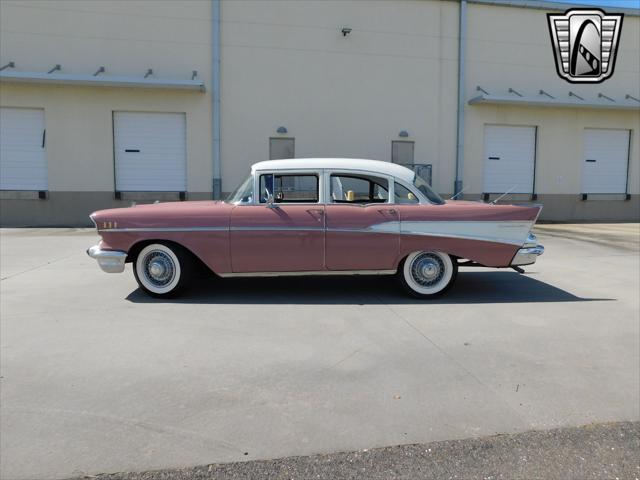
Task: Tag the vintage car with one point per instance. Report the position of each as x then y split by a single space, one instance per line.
317 217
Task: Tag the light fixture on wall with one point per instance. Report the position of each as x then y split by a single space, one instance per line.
282 130
345 31
403 134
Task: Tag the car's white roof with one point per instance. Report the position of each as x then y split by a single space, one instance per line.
373 166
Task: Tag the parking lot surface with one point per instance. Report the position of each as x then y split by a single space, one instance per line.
97 377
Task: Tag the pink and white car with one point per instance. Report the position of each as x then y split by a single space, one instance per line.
317 217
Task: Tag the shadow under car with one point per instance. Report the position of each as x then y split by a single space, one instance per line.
471 287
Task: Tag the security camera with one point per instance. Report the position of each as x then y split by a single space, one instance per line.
346 31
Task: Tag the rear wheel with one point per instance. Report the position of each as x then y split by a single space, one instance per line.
162 270
427 274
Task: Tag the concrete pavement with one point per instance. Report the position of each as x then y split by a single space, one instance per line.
97 377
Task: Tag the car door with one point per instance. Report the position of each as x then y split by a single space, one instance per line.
283 231
363 228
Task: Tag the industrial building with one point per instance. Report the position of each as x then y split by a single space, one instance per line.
107 103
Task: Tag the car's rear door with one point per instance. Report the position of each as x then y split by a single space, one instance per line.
363 228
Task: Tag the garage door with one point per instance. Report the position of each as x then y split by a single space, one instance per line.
150 152
509 158
23 159
606 156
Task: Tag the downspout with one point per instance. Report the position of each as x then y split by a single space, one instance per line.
215 98
462 45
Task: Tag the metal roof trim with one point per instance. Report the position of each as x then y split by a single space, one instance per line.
100 80
544 101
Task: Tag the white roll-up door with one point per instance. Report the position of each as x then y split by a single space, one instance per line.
23 158
509 158
606 157
150 152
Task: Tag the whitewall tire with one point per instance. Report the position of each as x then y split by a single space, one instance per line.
427 274
162 270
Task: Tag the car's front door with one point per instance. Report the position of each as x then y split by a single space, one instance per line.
363 228
284 230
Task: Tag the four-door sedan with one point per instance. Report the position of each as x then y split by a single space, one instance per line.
317 217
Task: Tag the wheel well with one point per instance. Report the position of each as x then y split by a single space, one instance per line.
454 258
136 248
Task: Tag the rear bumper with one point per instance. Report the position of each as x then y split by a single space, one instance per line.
527 255
110 261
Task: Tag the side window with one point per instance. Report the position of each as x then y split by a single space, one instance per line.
289 188
358 189
403 195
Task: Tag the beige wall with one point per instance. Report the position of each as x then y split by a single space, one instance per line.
172 38
510 47
286 63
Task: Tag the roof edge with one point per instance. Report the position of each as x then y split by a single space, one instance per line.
551 5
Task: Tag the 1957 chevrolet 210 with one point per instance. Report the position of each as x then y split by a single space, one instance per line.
317 216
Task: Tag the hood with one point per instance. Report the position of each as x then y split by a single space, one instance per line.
167 214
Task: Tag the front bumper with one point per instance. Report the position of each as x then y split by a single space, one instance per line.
110 261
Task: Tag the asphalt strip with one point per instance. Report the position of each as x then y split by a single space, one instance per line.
596 451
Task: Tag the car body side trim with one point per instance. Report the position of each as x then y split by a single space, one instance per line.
164 229
308 273
501 231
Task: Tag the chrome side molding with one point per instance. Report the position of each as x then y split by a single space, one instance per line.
309 273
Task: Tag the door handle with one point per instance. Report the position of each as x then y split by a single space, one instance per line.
317 213
392 211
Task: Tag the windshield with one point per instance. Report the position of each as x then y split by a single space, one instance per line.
242 194
427 191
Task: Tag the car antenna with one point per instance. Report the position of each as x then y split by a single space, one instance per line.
460 192
504 194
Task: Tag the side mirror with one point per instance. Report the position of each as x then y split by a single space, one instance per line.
270 202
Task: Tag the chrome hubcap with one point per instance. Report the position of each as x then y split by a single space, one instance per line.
156 269
427 269
159 268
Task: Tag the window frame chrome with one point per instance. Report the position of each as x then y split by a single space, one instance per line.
293 171
324 186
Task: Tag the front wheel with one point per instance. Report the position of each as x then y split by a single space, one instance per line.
162 270
427 274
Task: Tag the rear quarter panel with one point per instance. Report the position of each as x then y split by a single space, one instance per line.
487 234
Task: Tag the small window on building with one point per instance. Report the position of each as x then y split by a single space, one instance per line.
359 189
402 152
281 148
289 188
403 194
